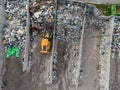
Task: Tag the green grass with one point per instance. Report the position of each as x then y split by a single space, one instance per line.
105 9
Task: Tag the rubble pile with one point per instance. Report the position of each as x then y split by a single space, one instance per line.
69 22
15 26
116 36
42 12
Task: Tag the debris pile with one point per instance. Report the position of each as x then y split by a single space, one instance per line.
15 26
69 22
116 36
42 12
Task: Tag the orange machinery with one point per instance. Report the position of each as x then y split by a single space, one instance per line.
46 41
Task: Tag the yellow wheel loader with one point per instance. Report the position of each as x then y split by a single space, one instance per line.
46 41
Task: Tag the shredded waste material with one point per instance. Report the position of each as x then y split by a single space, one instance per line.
15 26
115 45
69 22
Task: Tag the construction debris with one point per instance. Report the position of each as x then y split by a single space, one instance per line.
15 26
41 12
69 22
116 36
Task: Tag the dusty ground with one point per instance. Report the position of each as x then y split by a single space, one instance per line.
36 79
90 58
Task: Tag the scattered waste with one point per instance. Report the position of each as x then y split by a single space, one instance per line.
69 22
115 45
15 27
41 12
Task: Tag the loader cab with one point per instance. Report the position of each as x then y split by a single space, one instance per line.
47 37
45 44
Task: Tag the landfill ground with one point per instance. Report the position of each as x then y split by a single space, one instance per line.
73 68
36 78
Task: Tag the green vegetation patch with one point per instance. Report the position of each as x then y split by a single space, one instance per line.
113 9
105 9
